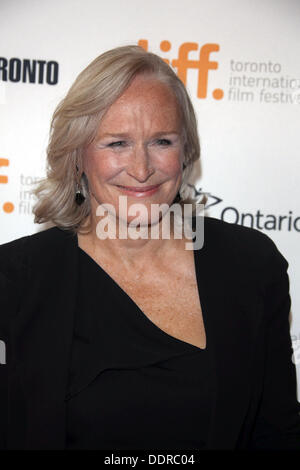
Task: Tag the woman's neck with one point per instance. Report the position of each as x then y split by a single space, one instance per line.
129 252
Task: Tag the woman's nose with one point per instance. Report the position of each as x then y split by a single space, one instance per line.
139 165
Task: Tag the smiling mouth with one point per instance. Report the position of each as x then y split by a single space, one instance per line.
137 189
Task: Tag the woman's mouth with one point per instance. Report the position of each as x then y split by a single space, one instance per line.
139 191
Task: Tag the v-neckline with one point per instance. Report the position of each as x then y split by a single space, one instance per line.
144 317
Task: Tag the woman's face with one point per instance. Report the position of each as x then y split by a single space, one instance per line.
138 150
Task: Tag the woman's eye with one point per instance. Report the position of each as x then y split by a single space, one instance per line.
164 142
119 143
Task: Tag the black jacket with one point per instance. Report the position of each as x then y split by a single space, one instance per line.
244 293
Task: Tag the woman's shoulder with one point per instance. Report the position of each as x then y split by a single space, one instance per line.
249 245
216 228
45 236
15 253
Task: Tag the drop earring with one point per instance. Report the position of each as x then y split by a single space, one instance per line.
177 198
79 197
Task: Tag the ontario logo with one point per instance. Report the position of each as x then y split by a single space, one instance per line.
183 63
258 220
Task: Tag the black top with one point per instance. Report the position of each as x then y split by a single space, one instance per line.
243 284
131 385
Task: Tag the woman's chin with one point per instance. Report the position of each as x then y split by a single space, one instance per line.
136 222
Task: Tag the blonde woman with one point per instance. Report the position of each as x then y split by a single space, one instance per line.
139 343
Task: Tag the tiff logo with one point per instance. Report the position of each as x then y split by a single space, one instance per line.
203 64
7 207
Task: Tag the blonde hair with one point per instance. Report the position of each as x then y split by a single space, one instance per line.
76 120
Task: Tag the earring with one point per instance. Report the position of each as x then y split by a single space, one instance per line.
177 198
79 197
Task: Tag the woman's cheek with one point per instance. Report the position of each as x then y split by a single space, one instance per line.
104 165
171 163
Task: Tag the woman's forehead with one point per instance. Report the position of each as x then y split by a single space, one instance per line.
144 100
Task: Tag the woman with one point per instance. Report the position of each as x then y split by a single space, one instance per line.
139 343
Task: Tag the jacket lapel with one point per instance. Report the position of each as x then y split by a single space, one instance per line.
42 338
231 317
43 330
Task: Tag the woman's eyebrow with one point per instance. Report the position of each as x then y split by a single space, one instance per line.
126 135
158 134
117 134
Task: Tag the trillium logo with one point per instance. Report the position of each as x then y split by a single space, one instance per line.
258 219
198 194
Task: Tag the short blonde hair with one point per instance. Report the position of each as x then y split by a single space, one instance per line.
76 120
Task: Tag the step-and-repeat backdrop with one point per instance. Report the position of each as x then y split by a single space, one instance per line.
240 63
